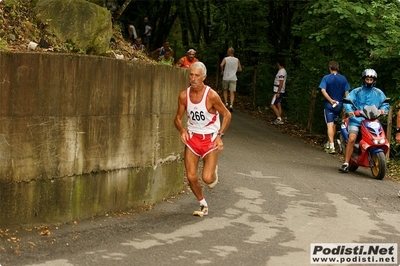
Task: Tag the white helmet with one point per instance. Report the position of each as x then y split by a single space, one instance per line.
369 73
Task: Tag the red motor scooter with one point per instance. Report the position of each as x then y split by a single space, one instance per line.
371 145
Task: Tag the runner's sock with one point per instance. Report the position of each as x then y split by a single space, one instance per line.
203 202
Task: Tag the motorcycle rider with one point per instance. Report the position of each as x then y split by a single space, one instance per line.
367 94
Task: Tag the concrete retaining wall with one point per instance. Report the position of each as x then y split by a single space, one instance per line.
81 135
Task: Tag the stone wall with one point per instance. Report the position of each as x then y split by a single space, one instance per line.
82 135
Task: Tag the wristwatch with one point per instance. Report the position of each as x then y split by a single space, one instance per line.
221 135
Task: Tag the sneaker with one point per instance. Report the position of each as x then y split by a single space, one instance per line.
213 184
344 168
203 210
226 104
277 122
331 150
231 109
326 146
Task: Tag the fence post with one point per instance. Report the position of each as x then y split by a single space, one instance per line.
389 129
254 87
312 109
217 75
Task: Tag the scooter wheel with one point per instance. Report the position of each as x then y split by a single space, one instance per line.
378 168
352 168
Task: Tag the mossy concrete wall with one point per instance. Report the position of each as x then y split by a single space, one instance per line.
83 135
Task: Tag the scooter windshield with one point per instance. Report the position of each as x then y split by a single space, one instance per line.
371 112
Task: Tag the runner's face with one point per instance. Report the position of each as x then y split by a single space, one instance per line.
196 77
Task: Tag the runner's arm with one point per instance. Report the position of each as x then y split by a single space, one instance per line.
179 114
179 63
217 105
239 66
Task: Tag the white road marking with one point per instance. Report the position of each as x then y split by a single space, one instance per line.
257 174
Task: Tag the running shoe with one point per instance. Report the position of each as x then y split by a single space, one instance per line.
331 150
203 210
277 122
231 109
344 168
213 184
326 146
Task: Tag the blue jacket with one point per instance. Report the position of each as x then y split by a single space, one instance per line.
362 96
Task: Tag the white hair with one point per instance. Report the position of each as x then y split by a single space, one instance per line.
200 65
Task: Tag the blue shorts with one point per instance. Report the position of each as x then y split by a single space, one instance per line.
275 100
332 114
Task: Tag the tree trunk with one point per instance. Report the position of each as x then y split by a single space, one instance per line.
389 128
121 10
312 108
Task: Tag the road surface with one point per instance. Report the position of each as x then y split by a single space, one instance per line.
276 197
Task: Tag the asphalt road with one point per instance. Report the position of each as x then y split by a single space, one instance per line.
276 197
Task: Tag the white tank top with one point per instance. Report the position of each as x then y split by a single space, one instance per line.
231 67
200 120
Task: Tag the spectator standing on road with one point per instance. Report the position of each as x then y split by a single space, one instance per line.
166 59
367 94
147 33
333 87
132 32
203 136
279 91
187 60
229 66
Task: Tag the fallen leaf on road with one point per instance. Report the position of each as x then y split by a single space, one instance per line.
45 233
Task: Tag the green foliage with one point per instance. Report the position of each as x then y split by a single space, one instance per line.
356 33
10 3
3 45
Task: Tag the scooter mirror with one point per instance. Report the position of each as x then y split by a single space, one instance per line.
347 100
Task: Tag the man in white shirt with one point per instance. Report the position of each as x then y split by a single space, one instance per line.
147 33
229 66
132 32
279 91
